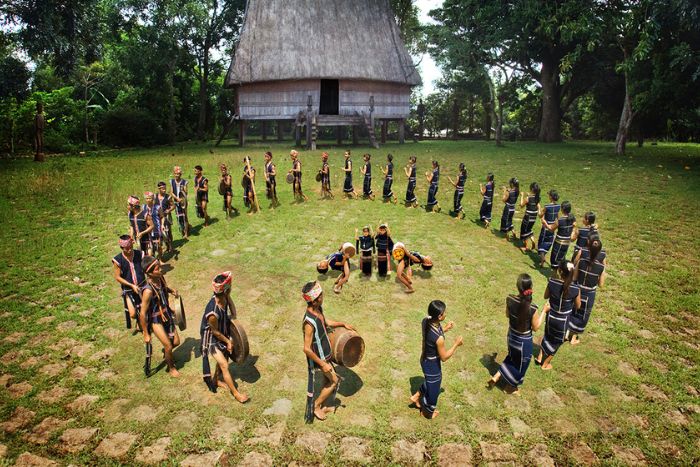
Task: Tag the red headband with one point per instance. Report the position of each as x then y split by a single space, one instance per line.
126 243
133 201
527 293
220 287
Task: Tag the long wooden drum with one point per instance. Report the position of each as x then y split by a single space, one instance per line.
240 342
179 312
347 347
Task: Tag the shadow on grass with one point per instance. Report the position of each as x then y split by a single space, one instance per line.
350 382
198 228
183 352
423 274
246 372
488 361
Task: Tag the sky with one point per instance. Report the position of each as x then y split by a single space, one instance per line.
429 71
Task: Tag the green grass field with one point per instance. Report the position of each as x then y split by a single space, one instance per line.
627 394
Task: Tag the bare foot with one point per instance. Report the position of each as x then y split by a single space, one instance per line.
328 410
320 413
575 340
431 416
221 384
415 399
337 288
548 366
174 373
490 383
240 397
409 290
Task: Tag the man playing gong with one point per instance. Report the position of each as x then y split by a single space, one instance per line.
217 340
178 191
128 273
317 348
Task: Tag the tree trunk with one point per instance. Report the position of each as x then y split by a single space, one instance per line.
455 119
488 112
203 93
496 116
171 125
625 121
470 119
550 124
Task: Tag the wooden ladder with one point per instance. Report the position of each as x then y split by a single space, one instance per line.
370 131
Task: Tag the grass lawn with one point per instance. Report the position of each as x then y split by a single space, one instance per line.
628 393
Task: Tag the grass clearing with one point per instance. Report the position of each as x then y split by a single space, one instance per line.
629 390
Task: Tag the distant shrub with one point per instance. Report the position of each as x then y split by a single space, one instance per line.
125 127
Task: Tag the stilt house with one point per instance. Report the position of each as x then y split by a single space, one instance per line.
321 63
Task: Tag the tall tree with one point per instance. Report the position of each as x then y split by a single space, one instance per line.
207 26
548 41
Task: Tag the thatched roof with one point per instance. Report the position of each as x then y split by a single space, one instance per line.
334 39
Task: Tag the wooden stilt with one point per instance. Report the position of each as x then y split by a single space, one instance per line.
280 130
297 135
355 136
339 135
402 131
241 132
384 128
309 116
263 130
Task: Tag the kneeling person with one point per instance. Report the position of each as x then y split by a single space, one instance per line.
338 261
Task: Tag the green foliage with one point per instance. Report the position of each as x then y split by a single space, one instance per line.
128 127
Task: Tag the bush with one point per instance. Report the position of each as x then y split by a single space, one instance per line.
130 127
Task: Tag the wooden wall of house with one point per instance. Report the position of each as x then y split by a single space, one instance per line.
390 100
284 99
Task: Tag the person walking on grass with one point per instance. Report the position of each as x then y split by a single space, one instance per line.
129 275
226 190
348 189
388 172
317 349
165 202
563 226
433 178
325 177
156 235
487 202
410 171
531 203
434 352
549 214
563 297
459 191
271 180
296 172
582 233
216 337
140 224
366 171
201 186
510 197
523 319
157 317
178 191
248 184
590 263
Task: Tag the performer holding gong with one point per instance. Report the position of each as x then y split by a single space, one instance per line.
157 315
140 224
165 201
248 182
216 335
325 177
317 349
226 190
405 259
129 274
296 173
271 180
201 184
178 190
